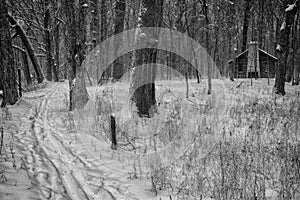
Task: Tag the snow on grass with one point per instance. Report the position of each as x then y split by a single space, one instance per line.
238 132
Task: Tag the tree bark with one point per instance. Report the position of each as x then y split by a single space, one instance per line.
103 28
95 28
7 69
120 10
26 68
57 52
144 96
247 7
47 40
80 95
205 6
29 48
283 47
71 41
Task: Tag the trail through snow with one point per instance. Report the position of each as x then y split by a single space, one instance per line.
58 163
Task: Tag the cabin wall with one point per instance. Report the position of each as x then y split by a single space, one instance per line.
241 68
264 62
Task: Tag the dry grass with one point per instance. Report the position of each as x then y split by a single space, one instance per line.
239 143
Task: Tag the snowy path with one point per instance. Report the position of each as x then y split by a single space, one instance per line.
57 161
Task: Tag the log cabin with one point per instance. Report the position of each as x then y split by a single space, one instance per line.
253 63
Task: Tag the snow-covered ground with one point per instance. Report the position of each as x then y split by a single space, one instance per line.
48 155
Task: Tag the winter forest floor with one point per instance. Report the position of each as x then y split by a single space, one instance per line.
50 153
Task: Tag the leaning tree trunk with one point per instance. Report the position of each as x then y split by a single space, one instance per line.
26 68
120 10
283 46
144 95
7 69
29 48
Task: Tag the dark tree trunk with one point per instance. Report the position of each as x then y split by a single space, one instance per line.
57 51
261 24
103 28
283 48
71 41
26 68
296 72
144 96
120 10
95 28
113 133
47 40
80 95
205 6
7 69
29 48
247 8
103 35
56 41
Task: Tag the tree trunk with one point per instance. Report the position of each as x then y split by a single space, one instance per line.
296 68
26 68
144 96
283 47
47 40
261 24
7 69
103 28
247 8
205 6
120 10
80 95
29 48
57 52
71 41
103 35
95 28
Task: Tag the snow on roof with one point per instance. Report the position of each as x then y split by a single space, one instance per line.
267 53
238 55
248 50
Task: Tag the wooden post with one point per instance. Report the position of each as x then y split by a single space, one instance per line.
20 84
1 145
268 70
113 132
187 85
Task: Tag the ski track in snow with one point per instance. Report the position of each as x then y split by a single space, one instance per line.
57 161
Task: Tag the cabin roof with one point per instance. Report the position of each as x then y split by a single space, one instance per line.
244 52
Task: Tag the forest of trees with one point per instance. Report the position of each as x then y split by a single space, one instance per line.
50 39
